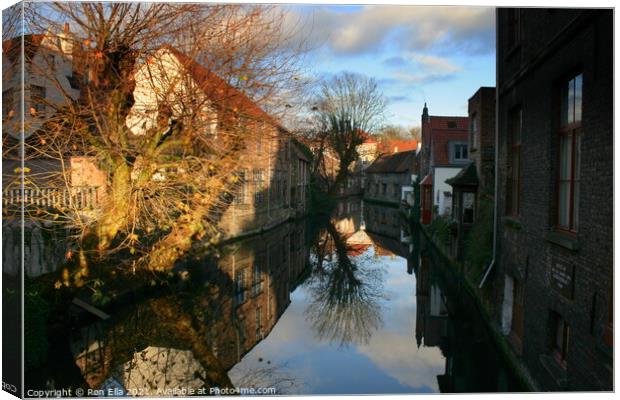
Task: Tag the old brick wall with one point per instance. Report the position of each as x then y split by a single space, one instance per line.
529 245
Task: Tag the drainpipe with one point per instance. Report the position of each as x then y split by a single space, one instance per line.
496 191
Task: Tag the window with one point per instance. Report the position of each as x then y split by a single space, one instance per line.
561 336
37 99
514 27
451 124
257 280
8 103
259 323
468 207
569 155
383 188
240 197
259 193
240 281
458 153
513 197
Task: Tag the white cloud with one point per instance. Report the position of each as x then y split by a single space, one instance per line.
461 29
436 64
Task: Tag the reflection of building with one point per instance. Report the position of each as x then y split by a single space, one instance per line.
382 220
446 318
208 327
555 223
431 310
388 175
443 153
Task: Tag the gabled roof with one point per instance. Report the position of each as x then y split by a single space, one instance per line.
221 92
451 123
468 176
394 163
12 47
443 131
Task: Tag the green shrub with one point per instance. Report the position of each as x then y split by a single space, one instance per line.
441 229
478 245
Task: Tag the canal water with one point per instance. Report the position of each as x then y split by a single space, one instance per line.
337 306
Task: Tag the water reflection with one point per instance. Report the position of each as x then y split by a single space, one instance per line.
345 290
312 307
192 336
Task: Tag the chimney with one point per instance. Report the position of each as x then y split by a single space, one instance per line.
66 27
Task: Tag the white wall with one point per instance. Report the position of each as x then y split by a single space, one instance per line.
443 203
40 73
163 81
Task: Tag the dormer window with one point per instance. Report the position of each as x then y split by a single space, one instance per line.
458 152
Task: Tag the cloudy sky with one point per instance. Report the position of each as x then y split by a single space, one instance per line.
440 55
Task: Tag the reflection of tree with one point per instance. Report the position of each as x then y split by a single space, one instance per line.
268 376
345 294
157 345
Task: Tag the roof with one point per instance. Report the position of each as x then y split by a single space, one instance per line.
451 123
301 150
395 146
393 163
11 47
427 181
443 131
221 92
468 176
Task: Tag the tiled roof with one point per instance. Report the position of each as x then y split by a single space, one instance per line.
394 163
395 146
451 123
443 131
11 47
221 92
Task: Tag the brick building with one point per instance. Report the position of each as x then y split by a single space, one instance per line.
553 272
443 153
473 187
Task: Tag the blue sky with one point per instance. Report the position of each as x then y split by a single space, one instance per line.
440 55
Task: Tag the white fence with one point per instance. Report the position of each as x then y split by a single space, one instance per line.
78 197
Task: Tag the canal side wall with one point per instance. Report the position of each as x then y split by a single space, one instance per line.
517 366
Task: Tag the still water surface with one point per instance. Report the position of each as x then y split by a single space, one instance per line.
339 306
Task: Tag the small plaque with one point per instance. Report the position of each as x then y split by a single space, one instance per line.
562 278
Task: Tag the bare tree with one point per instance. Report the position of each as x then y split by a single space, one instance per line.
394 132
167 106
349 107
